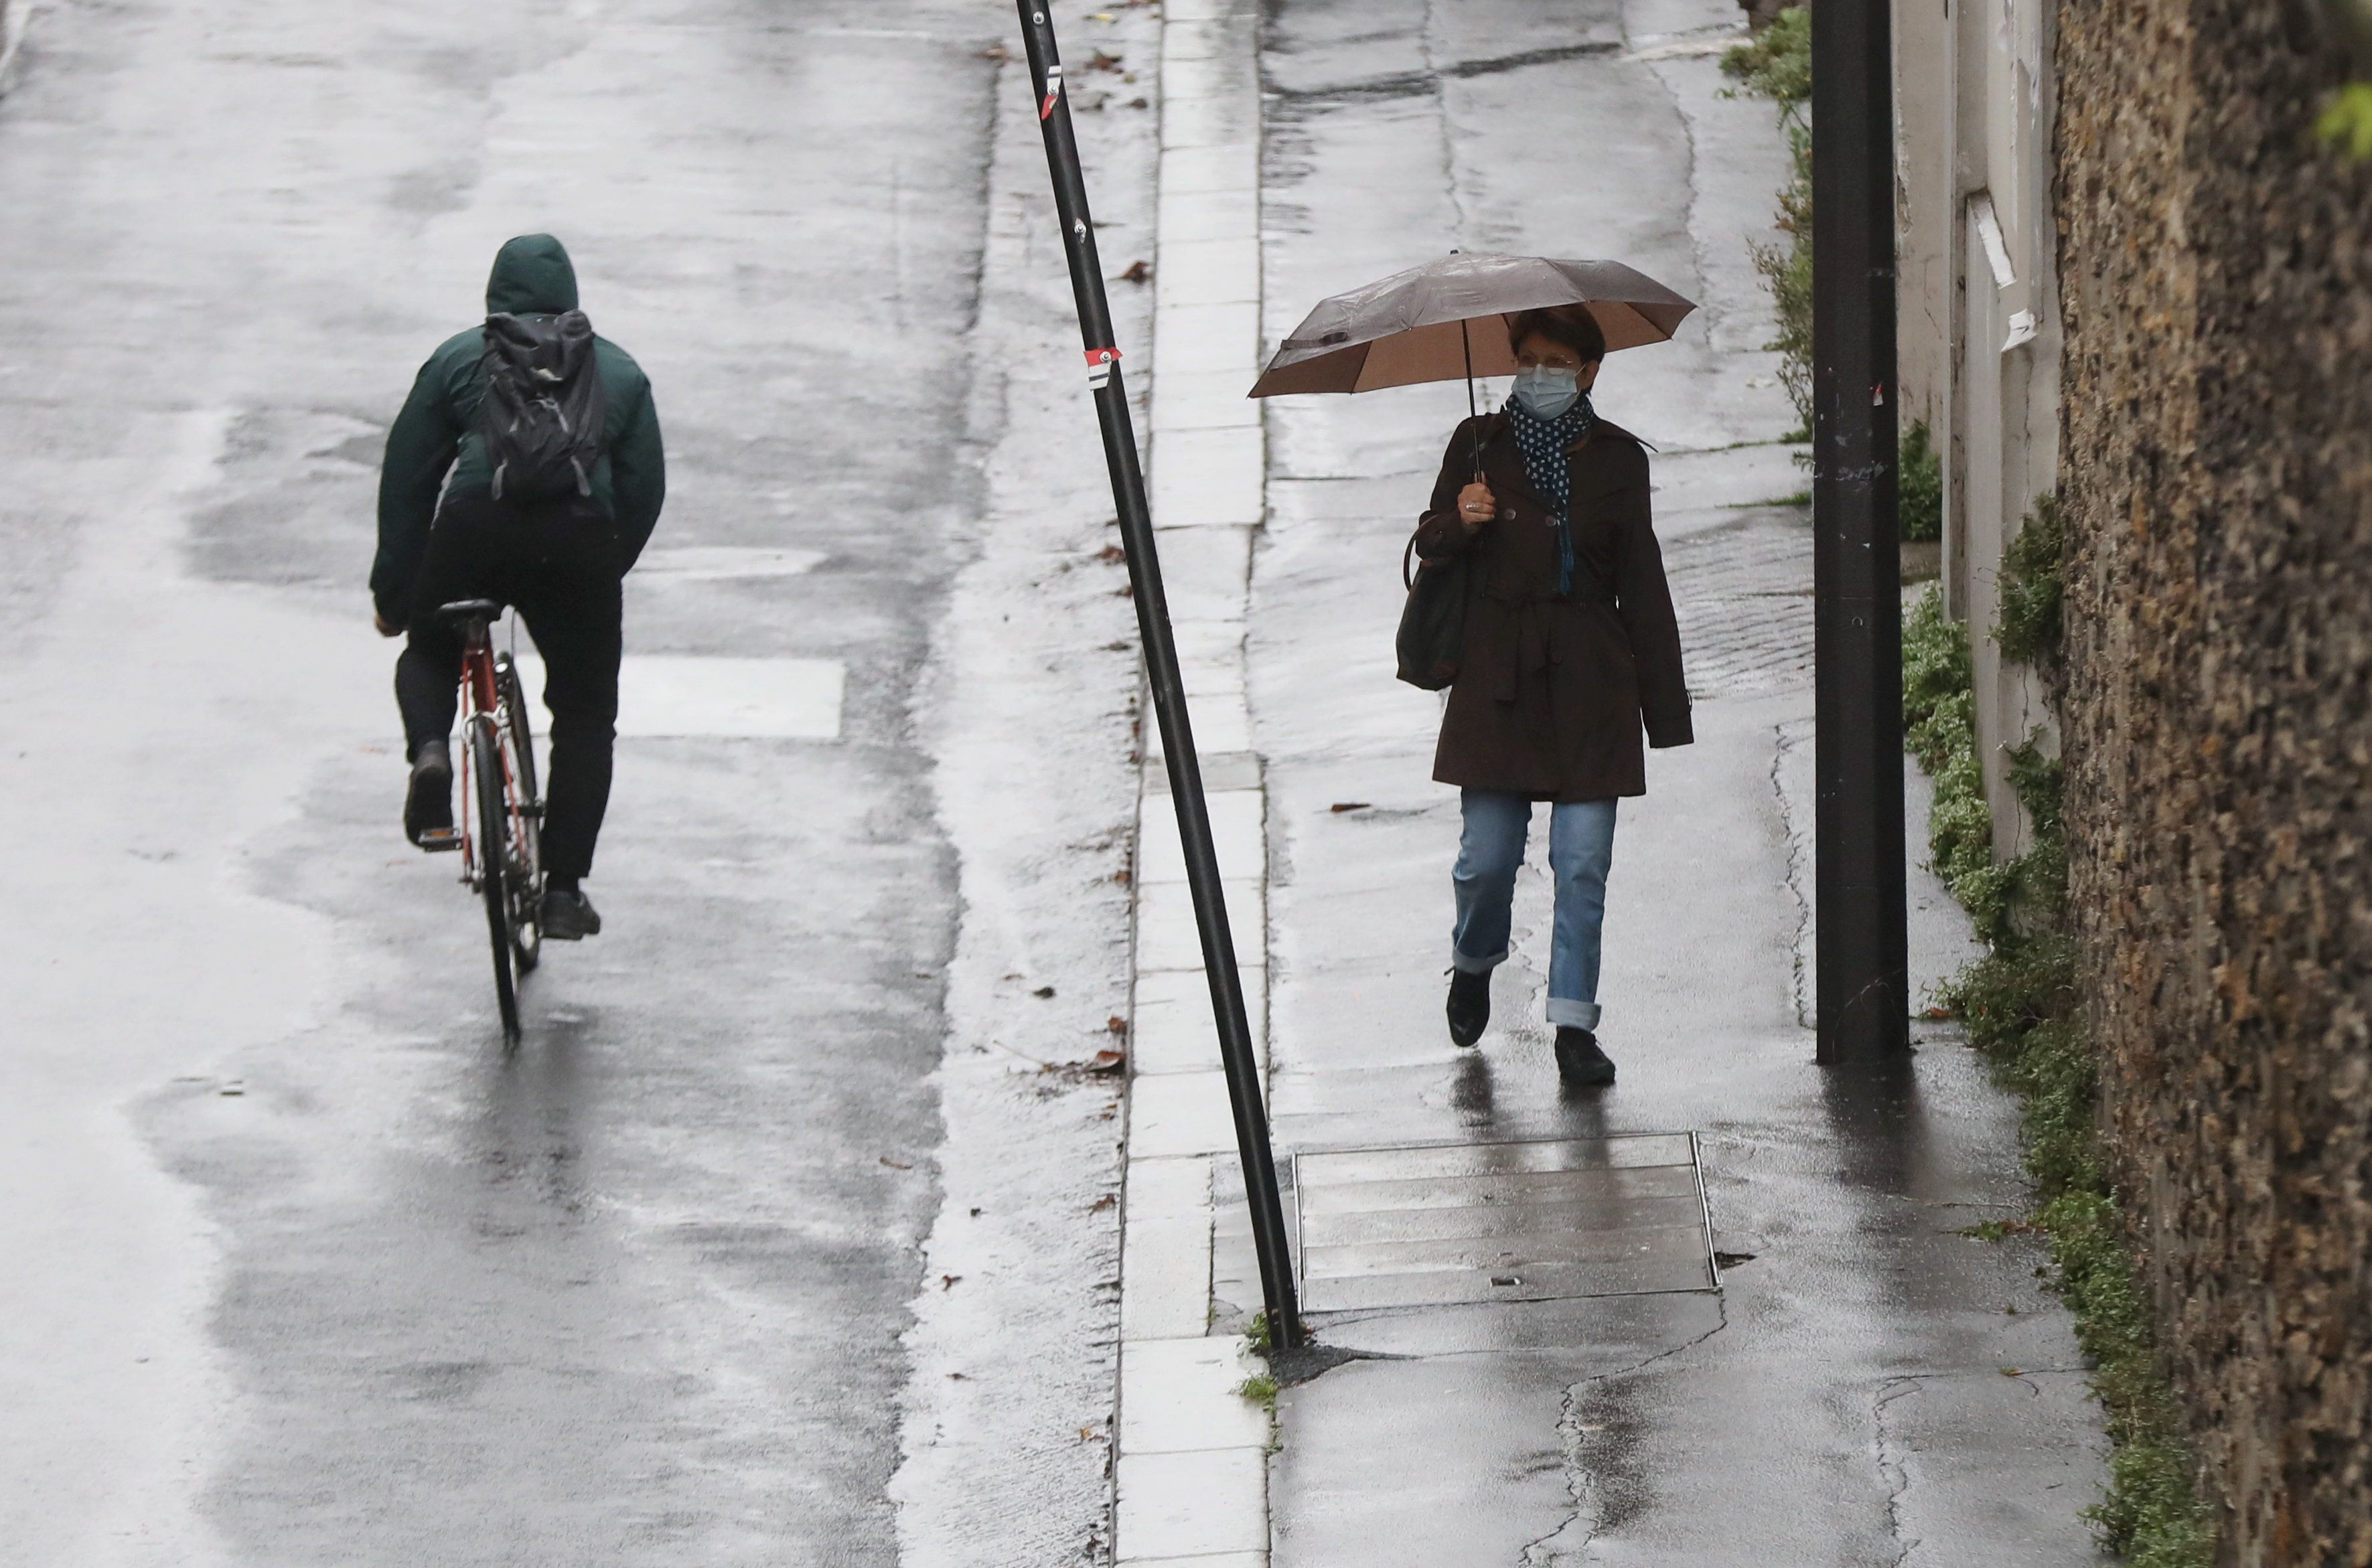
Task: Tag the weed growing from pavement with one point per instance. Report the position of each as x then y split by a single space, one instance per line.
1260 1389
2020 1006
1256 1332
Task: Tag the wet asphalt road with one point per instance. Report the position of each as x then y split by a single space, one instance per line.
307 1269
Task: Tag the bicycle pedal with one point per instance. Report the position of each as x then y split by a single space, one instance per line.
440 841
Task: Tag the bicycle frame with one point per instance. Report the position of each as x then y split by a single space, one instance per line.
499 826
480 695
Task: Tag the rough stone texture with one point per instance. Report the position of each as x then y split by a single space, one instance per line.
2216 268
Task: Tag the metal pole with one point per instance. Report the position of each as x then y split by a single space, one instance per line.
1168 688
1862 966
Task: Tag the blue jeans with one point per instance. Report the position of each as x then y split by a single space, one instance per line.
1581 851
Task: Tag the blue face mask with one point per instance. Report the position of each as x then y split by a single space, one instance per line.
1544 391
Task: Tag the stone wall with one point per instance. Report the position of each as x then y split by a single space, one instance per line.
2215 268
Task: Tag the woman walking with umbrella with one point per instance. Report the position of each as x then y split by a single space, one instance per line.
1538 529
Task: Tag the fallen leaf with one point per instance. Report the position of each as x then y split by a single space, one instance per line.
1350 805
1122 877
896 1165
959 1377
1103 62
1116 1024
1112 554
1108 1062
1101 1204
1043 991
996 51
1138 272
946 1281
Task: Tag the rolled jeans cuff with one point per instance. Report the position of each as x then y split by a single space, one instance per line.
1566 1014
1466 963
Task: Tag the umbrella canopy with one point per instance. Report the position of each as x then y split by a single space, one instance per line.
1418 325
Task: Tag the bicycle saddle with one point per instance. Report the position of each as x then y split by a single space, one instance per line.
463 611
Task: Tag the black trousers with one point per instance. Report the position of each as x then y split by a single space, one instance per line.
557 564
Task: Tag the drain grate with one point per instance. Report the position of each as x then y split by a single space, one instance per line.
1537 1221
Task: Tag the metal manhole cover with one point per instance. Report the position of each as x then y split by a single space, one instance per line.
1536 1221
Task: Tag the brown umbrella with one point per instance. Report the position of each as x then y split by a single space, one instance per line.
1447 320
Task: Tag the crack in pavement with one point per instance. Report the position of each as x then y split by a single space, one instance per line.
1896 1471
1799 943
1715 312
1444 125
1588 1513
1894 1462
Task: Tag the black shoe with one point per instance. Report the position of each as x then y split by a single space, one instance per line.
1470 1005
568 915
1579 1060
429 803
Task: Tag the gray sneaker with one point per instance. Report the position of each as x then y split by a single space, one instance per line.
568 915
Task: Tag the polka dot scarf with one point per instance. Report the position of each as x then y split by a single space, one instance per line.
1543 442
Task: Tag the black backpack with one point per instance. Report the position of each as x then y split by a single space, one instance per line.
542 412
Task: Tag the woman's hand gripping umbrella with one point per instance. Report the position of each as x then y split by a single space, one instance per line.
1541 603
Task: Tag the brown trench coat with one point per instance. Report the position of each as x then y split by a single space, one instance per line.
1551 694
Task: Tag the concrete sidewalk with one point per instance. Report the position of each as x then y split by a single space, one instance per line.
1865 1385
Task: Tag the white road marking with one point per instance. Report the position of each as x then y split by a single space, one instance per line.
678 696
712 562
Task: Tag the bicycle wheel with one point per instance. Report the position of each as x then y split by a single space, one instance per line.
494 861
526 839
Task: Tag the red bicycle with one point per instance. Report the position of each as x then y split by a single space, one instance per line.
500 831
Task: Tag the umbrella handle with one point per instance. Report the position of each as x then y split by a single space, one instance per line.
1474 427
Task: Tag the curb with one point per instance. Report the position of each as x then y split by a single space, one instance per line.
1191 1451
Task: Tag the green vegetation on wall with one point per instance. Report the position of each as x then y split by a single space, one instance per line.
1777 63
2032 629
1920 499
2346 121
2020 1006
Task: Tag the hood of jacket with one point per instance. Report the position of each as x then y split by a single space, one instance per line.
532 276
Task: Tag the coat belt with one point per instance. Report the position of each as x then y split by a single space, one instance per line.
1532 652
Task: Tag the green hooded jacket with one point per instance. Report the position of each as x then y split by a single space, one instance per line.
434 449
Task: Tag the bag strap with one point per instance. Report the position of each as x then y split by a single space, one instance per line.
1407 578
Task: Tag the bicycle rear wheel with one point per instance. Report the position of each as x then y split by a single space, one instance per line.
525 839
493 862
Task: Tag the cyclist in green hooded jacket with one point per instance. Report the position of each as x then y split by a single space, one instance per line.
447 532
